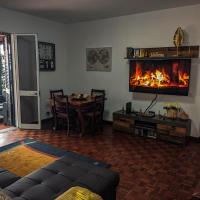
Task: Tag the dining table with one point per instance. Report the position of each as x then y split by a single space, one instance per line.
79 104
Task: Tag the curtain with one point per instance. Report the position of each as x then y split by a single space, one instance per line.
7 77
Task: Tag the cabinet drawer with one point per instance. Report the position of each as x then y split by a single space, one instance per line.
163 127
162 132
123 126
119 123
179 131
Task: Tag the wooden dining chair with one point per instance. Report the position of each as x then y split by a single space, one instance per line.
97 92
99 111
100 96
56 93
62 111
95 113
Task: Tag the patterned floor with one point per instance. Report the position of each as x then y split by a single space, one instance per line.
3 126
149 169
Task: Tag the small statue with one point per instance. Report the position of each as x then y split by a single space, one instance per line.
178 38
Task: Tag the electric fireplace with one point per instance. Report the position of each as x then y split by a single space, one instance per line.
160 76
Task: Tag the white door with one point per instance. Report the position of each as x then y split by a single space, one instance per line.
26 80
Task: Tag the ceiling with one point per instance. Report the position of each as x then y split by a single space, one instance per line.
72 11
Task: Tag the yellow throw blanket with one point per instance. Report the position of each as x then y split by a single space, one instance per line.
78 193
23 160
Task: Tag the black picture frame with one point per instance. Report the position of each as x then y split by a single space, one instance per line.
47 61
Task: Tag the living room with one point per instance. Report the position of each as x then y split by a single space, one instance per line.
151 27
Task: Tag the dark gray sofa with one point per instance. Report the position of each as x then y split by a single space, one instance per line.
52 180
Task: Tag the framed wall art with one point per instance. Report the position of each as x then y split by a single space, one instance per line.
99 59
46 56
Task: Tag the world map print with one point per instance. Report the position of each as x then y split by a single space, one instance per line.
99 59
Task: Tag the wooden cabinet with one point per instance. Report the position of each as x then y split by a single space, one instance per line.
176 131
123 123
173 133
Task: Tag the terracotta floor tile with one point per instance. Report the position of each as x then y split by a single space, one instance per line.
149 169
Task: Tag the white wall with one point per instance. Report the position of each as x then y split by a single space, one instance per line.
48 31
142 30
153 29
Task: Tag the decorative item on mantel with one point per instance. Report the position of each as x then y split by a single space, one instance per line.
165 52
186 52
178 39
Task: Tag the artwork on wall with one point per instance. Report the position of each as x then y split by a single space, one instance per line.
46 56
99 59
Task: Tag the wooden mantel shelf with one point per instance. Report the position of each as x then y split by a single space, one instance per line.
158 58
162 53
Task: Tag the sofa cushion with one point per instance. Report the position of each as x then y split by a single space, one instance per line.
51 181
7 178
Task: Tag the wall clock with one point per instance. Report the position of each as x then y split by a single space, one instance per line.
46 56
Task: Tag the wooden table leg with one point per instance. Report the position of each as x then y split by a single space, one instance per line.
82 122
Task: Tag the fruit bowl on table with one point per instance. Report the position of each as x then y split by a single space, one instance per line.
79 97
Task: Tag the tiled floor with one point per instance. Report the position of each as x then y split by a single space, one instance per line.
149 169
3 126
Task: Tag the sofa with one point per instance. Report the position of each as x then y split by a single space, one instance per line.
54 179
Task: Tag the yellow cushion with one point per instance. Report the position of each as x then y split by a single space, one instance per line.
78 193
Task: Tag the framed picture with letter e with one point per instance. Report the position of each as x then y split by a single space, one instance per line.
47 56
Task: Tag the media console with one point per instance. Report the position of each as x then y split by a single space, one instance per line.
171 130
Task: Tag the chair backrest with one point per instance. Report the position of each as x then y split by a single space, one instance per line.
99 103
98 92
56 93
99 98
61 104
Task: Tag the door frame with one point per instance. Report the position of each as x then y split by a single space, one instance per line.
17 92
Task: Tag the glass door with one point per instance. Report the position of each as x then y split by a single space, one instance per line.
26 71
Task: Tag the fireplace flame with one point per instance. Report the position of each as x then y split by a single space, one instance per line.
184 78
158 78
